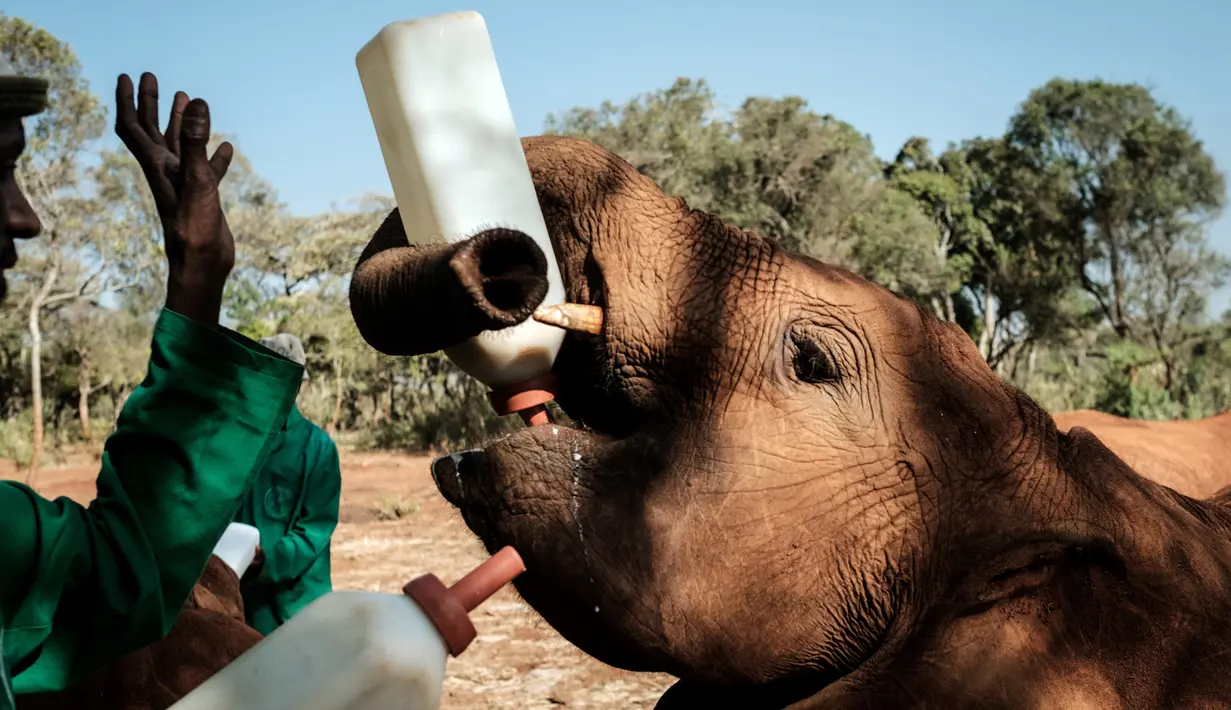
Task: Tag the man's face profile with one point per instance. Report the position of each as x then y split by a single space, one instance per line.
17 218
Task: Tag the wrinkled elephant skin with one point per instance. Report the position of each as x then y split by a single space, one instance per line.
1193 456
791 488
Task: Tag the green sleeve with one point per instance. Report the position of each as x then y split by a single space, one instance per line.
316 518
80 586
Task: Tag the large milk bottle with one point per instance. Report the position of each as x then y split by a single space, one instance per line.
360 650
457 168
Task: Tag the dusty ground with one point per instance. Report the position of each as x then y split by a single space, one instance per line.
517 661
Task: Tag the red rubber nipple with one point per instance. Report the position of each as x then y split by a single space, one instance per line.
449 608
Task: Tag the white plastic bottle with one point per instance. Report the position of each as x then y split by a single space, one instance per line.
457 167
237 547
360 650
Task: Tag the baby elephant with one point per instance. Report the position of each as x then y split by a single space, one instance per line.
791 488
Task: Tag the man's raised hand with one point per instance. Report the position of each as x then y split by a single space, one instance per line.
184 180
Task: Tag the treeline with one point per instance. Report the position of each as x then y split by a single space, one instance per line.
1073 249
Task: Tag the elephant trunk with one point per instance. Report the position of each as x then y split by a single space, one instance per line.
412 300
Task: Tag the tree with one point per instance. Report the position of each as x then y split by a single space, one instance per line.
942 188
72 262
104 349
810 182
1135 190
674 135
1133 182
1025 273
323 320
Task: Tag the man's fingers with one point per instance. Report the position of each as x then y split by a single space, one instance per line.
172 136
147 107
194 161
126 126
221 160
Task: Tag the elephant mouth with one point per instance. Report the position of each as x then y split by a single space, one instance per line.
564 495
466 478
595 415
555 494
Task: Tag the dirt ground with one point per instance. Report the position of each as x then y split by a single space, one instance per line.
394 526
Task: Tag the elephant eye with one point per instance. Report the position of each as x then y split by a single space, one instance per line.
812 364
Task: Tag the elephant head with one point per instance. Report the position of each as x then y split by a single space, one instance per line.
784 483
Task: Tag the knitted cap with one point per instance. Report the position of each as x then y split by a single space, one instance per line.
289 347
20 96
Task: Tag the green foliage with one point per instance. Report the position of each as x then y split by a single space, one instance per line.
74 114
1125 392
1072 249
444 409
941 188
15 433
1206 381
809 181
1127 184
394 508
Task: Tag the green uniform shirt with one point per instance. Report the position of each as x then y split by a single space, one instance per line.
294 504
80 586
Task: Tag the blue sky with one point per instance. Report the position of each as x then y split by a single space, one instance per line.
280 74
